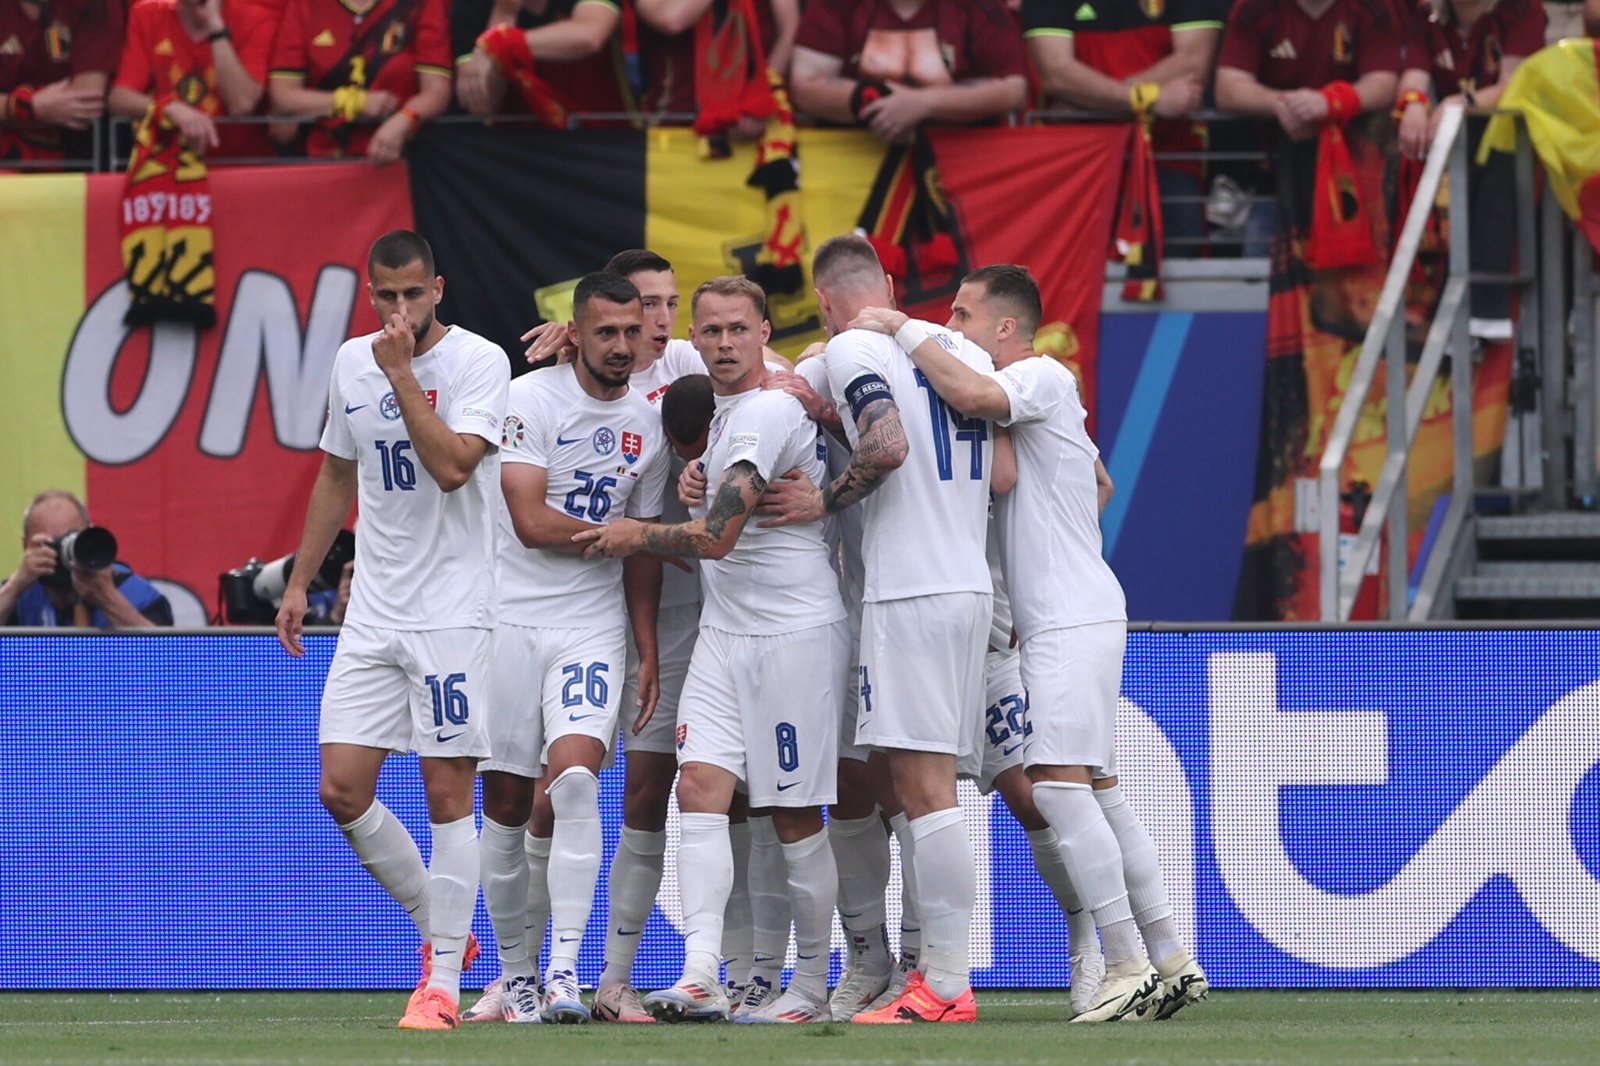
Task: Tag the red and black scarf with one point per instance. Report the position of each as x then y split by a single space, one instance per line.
1138 237
1341 228
906 217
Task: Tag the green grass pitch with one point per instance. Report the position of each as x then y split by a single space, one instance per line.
1355 1028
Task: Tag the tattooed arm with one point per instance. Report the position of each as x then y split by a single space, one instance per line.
881 448
711 537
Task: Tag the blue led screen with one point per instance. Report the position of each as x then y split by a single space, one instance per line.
1349 808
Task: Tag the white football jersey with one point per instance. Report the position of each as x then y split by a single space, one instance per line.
774 580
1050 523
425 558
843 530
602 459
924 526
678 589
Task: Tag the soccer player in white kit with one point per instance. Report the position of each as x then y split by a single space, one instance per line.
411 672
761 700
1072 620
920 467
580 448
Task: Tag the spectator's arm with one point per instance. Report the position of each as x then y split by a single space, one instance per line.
240 92
1377 90
819 87
580 36
432 97
128 103
1065 77
1239 91
672 17
292 97
1489 95
974 101
786 21
1193 49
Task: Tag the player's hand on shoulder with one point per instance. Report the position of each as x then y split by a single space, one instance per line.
790 498
819 407
291 621
879 320
392 348
548 339
692 484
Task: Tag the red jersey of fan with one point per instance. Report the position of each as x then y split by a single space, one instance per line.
668 62
944 42
80 37
1457 60
1285 48
159 58
596 84
327 45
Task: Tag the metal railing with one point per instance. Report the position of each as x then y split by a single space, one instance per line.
1386 341
1341 570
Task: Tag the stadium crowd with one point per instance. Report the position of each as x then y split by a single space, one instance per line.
360 79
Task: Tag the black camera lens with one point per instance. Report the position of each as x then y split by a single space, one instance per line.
90 548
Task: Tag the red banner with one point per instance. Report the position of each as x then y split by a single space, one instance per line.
202 445
1044 197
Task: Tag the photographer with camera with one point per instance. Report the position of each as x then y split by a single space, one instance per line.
69 575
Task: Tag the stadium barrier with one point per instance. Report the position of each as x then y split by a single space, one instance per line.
1334 807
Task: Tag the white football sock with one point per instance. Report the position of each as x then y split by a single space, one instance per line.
738 926
1090 849
1141 869
947 882
813 891
452 896
635 879
574 863
705 877
386 849
861 854
503 869
1052 867
537 852
769 903
910 920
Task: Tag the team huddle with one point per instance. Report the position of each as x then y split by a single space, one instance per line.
787 587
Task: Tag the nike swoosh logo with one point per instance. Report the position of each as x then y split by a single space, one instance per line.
580 717
799 956
440 738
574 440
847 914
1008 751
629 932
352 410
436 954
764 958
785 788
568 939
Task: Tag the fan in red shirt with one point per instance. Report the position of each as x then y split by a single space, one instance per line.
892 65
576 44
1096 56
204 64
1462 51
1278 55
55 61
666 32
345 67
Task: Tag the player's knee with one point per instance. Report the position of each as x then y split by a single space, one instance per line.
645 796
342 800
507 799
796 824
574 794
701 791
1015 788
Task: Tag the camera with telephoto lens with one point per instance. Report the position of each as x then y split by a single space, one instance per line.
252 593
89 548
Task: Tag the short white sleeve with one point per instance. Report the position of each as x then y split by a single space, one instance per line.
815 371
1036 388
757 433
336 436
856 372
645 499
525 437
681 358
481 396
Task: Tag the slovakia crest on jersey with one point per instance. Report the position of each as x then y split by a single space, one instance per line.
604 441
632 446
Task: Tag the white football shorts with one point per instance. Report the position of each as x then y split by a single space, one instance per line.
766 709
428 691
548 684
1073 676
1003 728
922 671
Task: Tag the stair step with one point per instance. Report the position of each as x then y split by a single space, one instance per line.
1544 571
1529 587
1560 526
